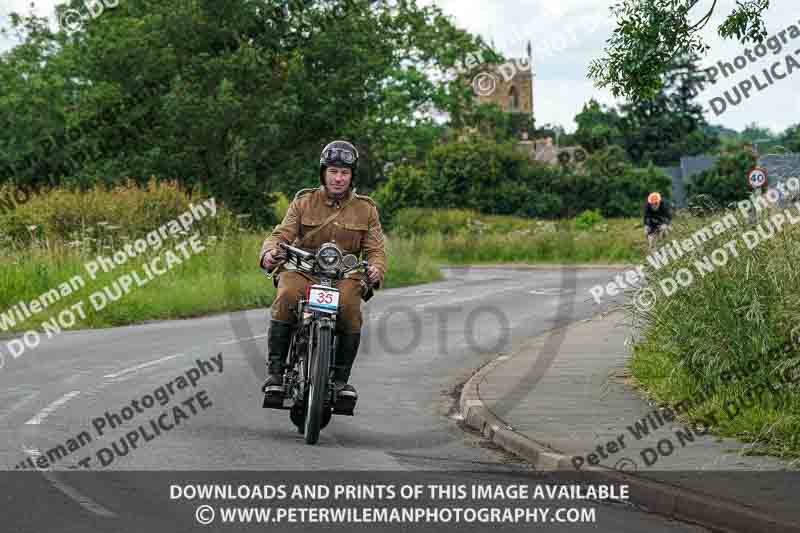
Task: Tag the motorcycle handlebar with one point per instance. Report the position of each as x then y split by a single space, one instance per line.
296 251
310 256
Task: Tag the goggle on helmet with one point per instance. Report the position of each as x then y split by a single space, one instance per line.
339 153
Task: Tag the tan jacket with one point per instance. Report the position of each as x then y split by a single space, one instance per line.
357 229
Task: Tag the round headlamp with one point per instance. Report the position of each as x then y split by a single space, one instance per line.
329 257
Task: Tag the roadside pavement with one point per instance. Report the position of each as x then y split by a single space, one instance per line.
557 417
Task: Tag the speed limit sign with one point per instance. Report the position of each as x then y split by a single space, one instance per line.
757 177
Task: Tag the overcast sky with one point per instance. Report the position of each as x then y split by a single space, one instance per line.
568 34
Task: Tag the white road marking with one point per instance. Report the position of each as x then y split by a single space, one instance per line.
31 451
141 366
47 411
233 341
114 381
82 500
433 292
557 291
19 404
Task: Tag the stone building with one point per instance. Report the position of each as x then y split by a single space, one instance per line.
509 85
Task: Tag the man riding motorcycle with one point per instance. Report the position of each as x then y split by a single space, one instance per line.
657 217
331 213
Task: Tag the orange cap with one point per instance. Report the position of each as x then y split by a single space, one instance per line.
654 198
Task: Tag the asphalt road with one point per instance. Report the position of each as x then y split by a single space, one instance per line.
419 344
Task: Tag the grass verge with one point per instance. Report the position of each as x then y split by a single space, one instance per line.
459 237
223 277
727 341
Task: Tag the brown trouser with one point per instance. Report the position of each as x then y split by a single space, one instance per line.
292 287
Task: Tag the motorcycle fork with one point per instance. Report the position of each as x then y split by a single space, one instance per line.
304 360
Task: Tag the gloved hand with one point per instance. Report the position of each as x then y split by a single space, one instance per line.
375 275
272 258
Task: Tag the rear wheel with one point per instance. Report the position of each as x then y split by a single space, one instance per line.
319 367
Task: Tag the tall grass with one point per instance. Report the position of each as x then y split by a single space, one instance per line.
465 237
745 314
407 264
50 239
101 217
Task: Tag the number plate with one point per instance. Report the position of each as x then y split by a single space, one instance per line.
323 298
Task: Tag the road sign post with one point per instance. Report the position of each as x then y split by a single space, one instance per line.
756 178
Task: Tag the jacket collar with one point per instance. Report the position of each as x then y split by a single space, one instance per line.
330 202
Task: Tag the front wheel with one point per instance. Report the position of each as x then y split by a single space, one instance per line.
319 367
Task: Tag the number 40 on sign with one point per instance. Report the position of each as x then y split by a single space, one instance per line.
757 177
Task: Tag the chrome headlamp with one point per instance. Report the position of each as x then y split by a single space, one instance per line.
329 257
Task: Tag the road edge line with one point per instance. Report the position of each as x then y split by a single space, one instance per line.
661 498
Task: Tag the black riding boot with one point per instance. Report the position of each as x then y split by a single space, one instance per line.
278 339
346 351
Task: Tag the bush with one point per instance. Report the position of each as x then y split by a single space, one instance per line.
101 214
280 205
611 184
407 186
476 175
409 222
628 190
726 182
588 219
492 178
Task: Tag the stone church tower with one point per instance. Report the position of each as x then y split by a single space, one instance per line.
510 85
513 87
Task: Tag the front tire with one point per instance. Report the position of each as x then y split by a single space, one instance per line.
319 368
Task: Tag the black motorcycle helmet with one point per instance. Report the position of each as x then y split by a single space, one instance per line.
338 154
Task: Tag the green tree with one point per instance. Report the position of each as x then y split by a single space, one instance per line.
234 96
791 138
598 126
493 122
650 34
610 183
670 124
727 181
753 132
407 186
476 175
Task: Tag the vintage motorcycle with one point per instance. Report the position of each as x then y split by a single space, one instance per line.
308 379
